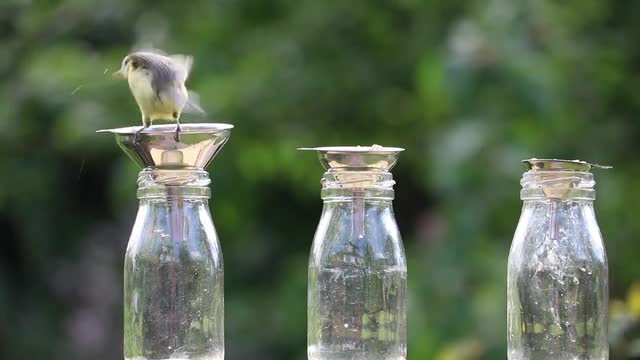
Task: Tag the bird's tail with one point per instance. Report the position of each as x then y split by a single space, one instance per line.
193 104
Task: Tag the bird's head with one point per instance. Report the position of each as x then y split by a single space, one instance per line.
131 63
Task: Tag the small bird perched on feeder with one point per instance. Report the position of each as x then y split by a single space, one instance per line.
157 83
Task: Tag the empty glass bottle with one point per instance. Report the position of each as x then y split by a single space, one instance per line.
557 287
357 295
173 276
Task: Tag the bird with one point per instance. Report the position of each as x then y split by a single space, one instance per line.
157 82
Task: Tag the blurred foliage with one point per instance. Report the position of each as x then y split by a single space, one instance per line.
625 325
469 88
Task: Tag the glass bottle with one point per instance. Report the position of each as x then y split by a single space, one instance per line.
173 279
173 276
357 294
557 287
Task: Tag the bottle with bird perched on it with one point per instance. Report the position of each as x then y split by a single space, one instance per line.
173 276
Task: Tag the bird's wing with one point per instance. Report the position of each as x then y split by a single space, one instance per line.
147 48
183 64
193 104
163 76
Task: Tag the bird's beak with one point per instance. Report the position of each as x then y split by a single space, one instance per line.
119 75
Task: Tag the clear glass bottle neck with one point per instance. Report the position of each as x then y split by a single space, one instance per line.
557 185
156 183
344 184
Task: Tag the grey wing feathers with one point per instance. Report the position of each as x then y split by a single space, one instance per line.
193 104
146 48
163 75
183 64
175 97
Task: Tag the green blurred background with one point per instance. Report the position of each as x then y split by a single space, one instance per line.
468 87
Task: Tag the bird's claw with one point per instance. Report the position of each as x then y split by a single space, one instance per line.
136 138
145 125
176 135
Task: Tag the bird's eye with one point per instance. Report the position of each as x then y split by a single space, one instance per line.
134 64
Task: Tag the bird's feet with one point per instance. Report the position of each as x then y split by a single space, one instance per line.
146 122
176 135
136 137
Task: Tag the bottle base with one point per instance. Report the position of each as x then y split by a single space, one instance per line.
315 354
519 355
208 357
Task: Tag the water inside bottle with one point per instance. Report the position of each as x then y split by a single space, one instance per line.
361 313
